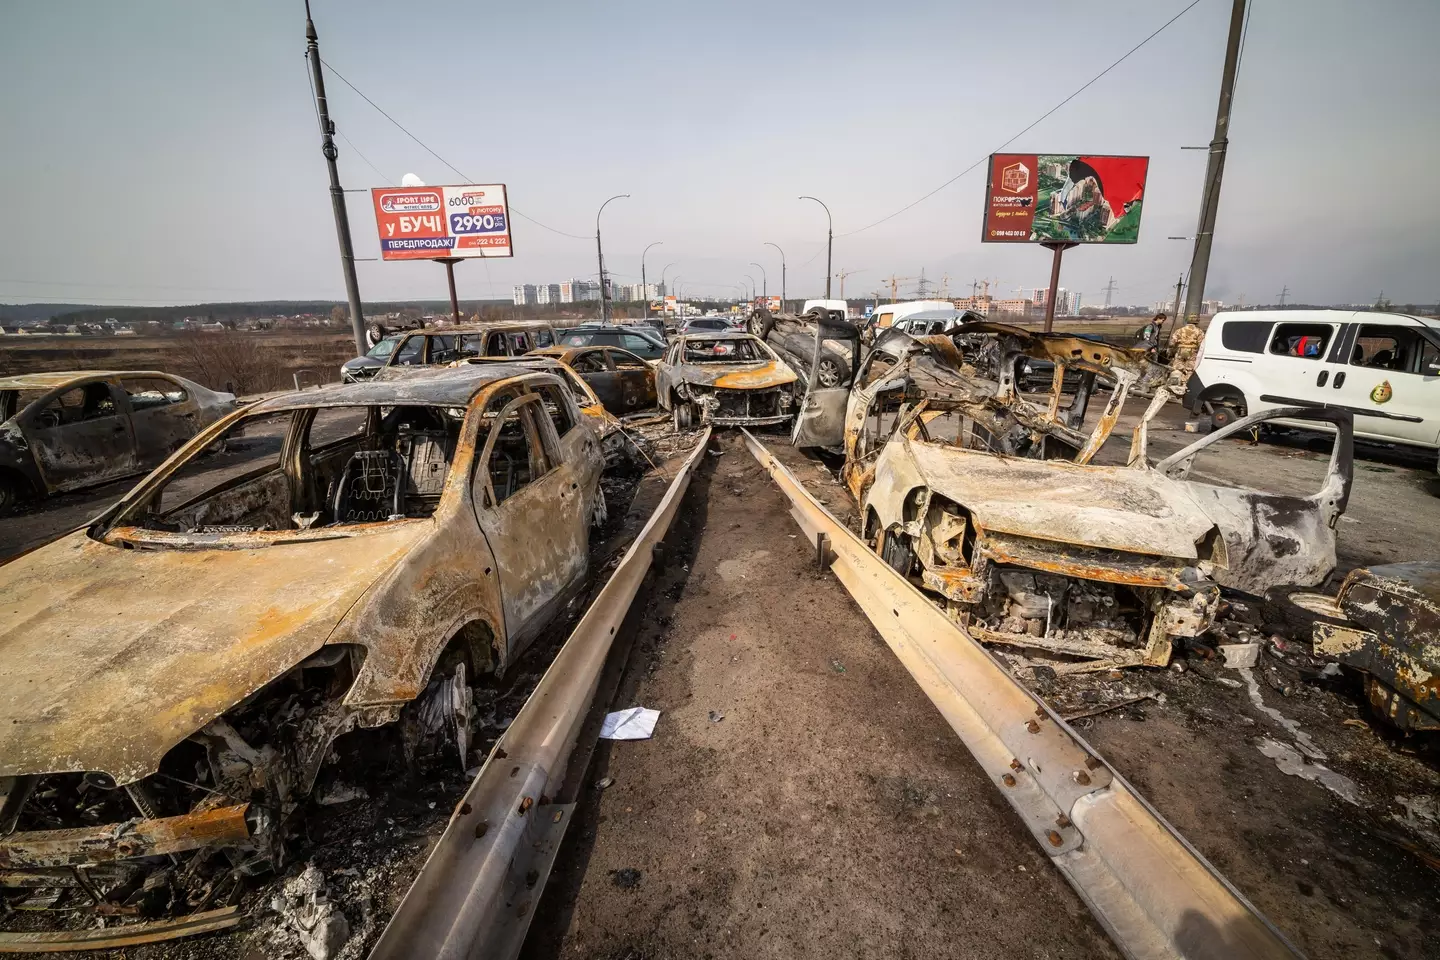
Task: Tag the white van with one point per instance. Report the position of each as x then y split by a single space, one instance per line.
887 313
1382 367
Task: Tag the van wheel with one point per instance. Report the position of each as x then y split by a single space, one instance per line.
1226 411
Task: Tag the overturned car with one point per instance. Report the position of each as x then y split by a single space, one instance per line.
726 379
991 499
184 674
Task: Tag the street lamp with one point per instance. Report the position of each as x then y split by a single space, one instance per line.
782 272
752 287
645 287
764 279
600 253
829 241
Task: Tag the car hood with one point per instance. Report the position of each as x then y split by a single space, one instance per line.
109 656
1113 508
357 363
736 376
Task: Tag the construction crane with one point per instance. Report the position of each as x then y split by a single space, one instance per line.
846 273
894 283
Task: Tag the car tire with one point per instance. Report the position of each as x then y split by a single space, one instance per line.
832 372
683 414
10 493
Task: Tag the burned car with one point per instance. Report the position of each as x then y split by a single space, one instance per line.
64 431
991 500
726 379
793 338
181 675
623 381
1385 623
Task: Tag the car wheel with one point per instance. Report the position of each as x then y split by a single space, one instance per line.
683 415
895 550
832 372
10 492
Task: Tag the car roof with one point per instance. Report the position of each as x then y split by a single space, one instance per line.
427 386
484 326
1327 316
58 378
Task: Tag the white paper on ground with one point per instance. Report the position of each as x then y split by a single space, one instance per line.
637 723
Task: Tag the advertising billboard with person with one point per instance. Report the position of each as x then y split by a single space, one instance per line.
1064 198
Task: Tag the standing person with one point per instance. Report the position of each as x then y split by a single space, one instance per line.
1186 345
1148 339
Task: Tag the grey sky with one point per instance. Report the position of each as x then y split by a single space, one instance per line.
167 151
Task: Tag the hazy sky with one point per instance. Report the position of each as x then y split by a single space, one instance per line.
167 152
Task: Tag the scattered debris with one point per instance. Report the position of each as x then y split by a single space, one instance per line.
338 792
626 878
837 666
1302 739
716 716
304 904
1292 762
606 783
636 723
1240 656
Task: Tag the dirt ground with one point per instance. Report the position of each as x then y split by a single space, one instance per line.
801 797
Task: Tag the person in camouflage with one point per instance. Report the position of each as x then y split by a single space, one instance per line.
1185 347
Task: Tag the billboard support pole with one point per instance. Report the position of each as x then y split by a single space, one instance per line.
450 275
1215 169
337 195
1059 247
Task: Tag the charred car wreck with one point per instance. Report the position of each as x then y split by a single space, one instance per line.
726 379
990 499
184 674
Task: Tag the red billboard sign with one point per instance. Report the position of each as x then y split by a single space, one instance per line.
432 223
1064 198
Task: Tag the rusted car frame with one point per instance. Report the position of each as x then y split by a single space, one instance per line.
188 672
990 498
65 431
1385 623
624 382
437 346
744 383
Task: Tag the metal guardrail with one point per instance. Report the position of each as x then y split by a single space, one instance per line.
1154 894
479 887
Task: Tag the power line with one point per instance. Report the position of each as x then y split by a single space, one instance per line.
339 76
1187 9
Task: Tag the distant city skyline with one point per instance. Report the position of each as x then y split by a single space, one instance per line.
147 163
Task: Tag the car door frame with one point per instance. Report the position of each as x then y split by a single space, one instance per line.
1403 423
187 411
111 467
637 382
534 557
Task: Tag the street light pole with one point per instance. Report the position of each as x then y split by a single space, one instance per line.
764 280
600 253
645 287
782 272
1215 169
829 241
752 287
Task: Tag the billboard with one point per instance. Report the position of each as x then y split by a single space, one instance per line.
1064 198
431 223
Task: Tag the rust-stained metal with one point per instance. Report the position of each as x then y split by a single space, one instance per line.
476 894
66 431
117 938
963 481
729 393
1393 637
622 381
78 846
240 632
1152 892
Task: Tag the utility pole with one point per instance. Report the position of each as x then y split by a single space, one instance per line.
1179 285
782 273
600 254
829 241
1215 169
337 195
1109 291
920 288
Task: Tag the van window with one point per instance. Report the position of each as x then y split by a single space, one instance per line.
1308 341
1246 336
1399 349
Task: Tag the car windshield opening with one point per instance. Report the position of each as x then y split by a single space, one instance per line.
309 469
722 351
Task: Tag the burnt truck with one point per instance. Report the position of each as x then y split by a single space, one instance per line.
991 500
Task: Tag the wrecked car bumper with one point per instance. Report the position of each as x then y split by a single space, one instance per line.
107 843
